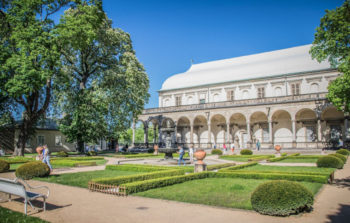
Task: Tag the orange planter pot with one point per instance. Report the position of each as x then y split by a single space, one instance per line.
278 148
200 155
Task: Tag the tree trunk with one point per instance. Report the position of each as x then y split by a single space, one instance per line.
80 144
25 132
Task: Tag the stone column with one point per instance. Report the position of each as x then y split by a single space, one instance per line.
270 132
159 135
227 133
294 132
133 132
346 126
248 132
155 134
191 133
319 130
209 134
145 134
175 132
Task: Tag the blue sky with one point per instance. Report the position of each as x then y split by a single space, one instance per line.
168 34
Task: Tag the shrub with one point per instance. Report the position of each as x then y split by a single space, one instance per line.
72 163
270 176
216 152
344 152
82 163
4 166
162 182
91 153
281 198
330 161
219 166
340 156
284 154
139 177
238 167
135 167
295 154
277 159
150 150
17 159
32 169
246 152
62 154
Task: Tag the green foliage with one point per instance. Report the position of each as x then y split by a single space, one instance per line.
246 152
331 43
219 166
340 156
284 154
344 152
140 155
91 153
294 154
139 177
62 154
8 216
32 169
150 150
17 159
72 163
330 162
238 167
277 159
216 152
139 186
281 198
136 168
4 166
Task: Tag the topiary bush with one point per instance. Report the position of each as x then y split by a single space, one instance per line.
246 152
91 153
340 156
32 169
216 152
330 161
344 152
281 198
4 166
150 150
62 154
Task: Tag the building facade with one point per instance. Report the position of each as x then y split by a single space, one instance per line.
277 97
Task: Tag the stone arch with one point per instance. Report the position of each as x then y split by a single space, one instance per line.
183 130
282 126
238 130
306 125
218 129
259 127
200 129
333 125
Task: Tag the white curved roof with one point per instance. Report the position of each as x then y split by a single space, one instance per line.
262 65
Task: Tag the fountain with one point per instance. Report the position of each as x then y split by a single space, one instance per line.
170 147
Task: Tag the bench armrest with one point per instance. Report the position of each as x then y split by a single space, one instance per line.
37 187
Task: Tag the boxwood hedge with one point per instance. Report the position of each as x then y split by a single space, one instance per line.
216 152
238 167
32 169
4 166
246 152
330 161
281 198
340 156
219 166
344 152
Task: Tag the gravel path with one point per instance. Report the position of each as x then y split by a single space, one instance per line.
72 204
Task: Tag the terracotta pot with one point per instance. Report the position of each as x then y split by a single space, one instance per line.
278 148
200 155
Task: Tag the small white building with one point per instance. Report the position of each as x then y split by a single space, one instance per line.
276 97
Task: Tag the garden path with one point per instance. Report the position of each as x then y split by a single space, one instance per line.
72 204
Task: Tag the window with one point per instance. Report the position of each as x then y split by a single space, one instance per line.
266 136
189 100
166 103
178 101
58 141
314 88
261 92
28 142
295 89
278 91
202 101
230 95
216 97
41 140
310 134
245 94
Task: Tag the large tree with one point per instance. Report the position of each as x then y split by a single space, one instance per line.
29 59
104 86
332 43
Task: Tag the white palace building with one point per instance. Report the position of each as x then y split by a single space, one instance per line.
277 97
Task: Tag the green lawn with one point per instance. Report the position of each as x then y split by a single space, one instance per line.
241 158
296 160
224 192
300 169
8 216
81 179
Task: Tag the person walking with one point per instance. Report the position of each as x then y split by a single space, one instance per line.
258 145
225 149
190 153
46 157
181 155
232 147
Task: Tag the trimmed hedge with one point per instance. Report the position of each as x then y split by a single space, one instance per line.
281 198
162 182
277 159
238 167
62 154
79 158
216 152
340 156
32 169
284 172
270 176
138 177
73 163
295 154
284 154
246 152
136 168
330 161
259 158
17 159
91 153
305 157
4 166
219 166
344 152
130 156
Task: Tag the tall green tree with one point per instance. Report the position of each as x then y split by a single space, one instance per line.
103 86
29 59
332 43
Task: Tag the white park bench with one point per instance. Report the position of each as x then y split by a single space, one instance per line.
22 189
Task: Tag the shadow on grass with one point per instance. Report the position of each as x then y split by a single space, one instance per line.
343 215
